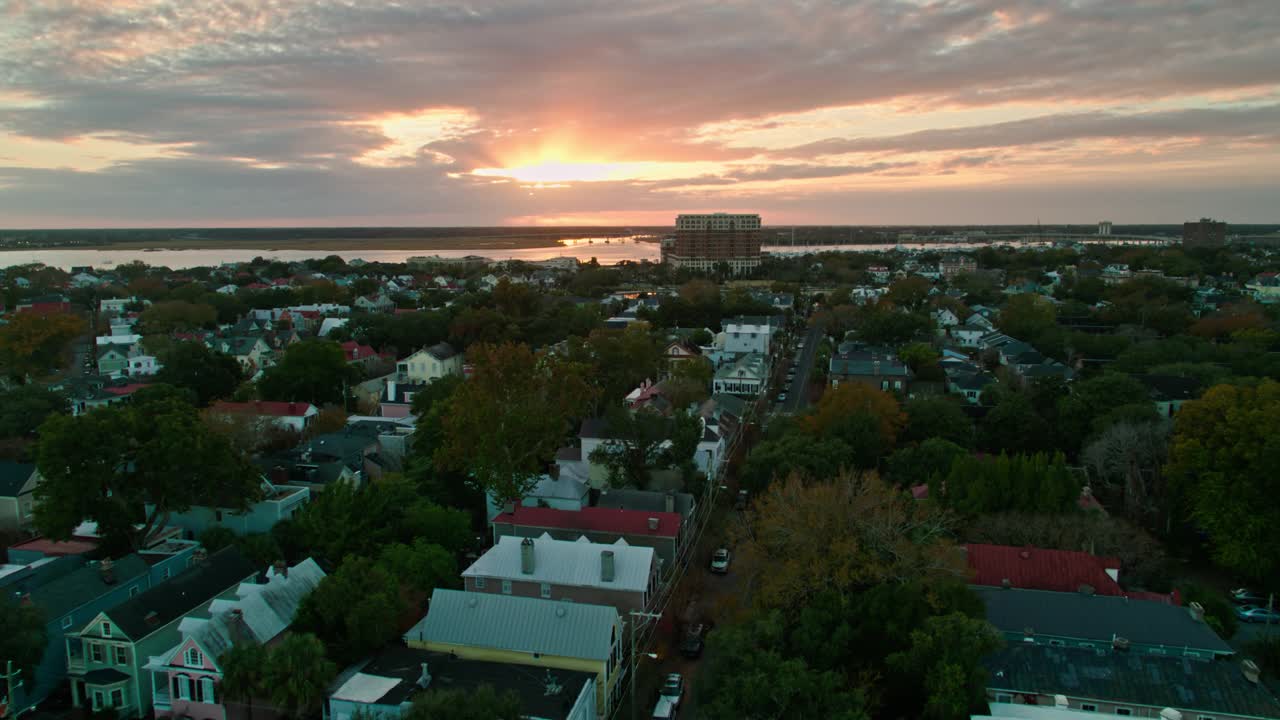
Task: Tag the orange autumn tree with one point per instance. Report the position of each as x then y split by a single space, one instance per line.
868 420
35 343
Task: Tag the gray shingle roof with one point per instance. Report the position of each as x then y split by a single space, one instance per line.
1098 618
183 593
519 624
1195 687
13 475
83 585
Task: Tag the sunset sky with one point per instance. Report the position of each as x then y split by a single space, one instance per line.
135 113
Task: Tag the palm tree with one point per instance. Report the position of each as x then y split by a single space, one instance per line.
244 673
298 674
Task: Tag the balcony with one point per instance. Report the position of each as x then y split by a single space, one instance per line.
75 664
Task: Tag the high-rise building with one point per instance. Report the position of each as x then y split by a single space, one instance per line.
1206 233
1104 227
704 242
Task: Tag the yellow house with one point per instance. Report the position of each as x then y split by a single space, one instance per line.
525 631
430 364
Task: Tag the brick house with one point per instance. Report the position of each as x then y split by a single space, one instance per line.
657 530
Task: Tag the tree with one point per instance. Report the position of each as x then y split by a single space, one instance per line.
937 417
164 318
1027 316
298 674
910 293
867 420
105 464
33 343
314 371
1226 446
210 374
1013 426
23 408
1131 456
477 703
244 674
841 534
421 566
794 453
689 381
885 325
945 658
915 465
642 441
355 610
1092 404
22 637
507 421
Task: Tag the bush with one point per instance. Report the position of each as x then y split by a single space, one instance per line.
1219 613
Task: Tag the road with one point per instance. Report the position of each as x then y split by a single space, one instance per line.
798 391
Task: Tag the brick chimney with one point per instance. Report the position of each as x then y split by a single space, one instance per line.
107 568
282 569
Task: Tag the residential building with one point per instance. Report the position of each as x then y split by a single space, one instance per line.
186 679
526 631
705 242
1206 233
384 686
430 363
1265 287
283 415
658 530
753 334
967 335
279 502
957 264
748 375
362 356
396 399
875 367
1169 392
142 366
649 501
251 352
1123 681
1033 568
617 574
18 483
106 656
374 303
1092 621
112 359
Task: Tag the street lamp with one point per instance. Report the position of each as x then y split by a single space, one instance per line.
634 659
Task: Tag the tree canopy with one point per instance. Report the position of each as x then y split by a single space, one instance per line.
314 371
210 374
33 344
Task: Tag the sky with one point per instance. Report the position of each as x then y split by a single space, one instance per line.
164 113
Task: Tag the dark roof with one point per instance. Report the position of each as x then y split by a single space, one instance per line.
13 475
1098 618
1210 687
183 593
105 676
533 684
84 584
441 351
595 428
889 367
645 500
398 393
1170 387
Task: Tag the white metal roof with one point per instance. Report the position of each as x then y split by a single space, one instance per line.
567 562
367 689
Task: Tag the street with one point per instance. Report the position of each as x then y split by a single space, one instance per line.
798 389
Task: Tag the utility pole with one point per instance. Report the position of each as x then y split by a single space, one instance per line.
635 614
11 683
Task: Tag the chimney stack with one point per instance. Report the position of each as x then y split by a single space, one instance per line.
670 500
1060 701
107 568
653 523
1197 611
282 569
425 678
526 556
200 555
391 391
606 566
1250 670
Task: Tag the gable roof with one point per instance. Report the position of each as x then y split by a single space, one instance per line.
441 351
1098 618
594 519
265 408
1040 569
566 562
13 475
520 624
186 591
647 501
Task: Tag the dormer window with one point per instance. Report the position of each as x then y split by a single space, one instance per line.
193 658
106 629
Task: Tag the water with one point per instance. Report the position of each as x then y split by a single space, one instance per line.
615 251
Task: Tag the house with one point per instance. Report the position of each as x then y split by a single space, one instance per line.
681 350
363 356
747 376
1092 621
658 530
966 335
1119 680
69 590
18 483
1265 287
431 363
352 455
106 656
526 631
1115 274
969 385
396 399
1169 392
250 351
112 360
1040 569
944 318
879 368
284 415
142 366
952 265
186 679
375 303
879 273
94 391
617 574
750 334
384 686
279 502
649 501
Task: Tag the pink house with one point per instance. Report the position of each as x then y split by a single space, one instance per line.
186 680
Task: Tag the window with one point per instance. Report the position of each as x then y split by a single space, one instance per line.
546 591
1088 707
206 689
133 591
884 384
1204 717
95 652
479 583
66 622
98 703
506 587
184 687
1004 698
1056 643
192 658
217 516
164 574
1123 711
106 629
897 384
122 656
117 697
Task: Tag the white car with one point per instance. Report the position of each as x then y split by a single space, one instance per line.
720 561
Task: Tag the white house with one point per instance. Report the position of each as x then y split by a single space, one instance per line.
285 415
749 335
431 363
745 376
140 365
944 317
967 335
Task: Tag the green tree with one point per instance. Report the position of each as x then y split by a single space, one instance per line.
421 566
210 374
917 464
910 293
945 658
794 452
164 318
478 703
1226 446
507 421
244 674
103 465
355 610
1013 426
1027 316
32 343
642 441
298 674
22 637
937 417
314 371
24 407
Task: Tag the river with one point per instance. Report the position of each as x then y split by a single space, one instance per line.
613 251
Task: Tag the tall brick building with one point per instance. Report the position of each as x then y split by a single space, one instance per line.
1206 233
703 242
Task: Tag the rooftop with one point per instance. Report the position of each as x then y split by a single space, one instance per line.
1039 569
567 562
164 603
266 408
594 519
13 475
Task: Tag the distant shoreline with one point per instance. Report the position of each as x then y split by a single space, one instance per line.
427 245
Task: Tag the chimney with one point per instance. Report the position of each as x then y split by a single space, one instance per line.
653 523
1170 714
391 391
1006 583
1119 643
107 568
200 555
1060 701
282 569
1197 611
670 500
1250 670
606 566
526 556
509 506
151 619
425 678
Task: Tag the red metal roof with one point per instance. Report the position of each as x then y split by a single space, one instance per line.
54 547
356 351
129 389
1039 569
269 408
595 519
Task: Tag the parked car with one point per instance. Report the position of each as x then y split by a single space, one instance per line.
666 709
673 687
720 561
1247 596
741 502
1253 613
782 397
691 646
